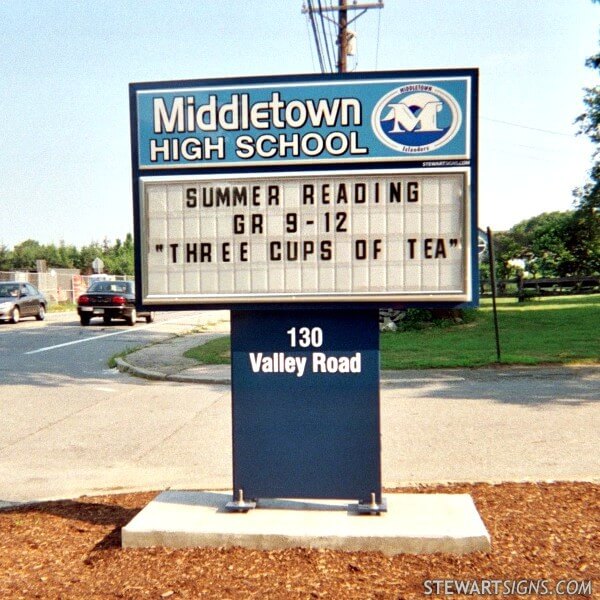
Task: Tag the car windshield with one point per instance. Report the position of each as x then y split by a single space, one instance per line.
9 289
111 287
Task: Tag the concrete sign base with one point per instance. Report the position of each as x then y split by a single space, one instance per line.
414 523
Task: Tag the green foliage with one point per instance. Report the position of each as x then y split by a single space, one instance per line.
5 258
414 319
556 244
549 330
215 352
587 197
118 257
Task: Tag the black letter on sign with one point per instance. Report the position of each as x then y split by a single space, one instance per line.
413 191
360 249
411 247
191 253
191 197
308 194
205 252
273 195
275 250
238 224
226 251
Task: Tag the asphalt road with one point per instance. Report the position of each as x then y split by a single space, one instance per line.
61 346
71 426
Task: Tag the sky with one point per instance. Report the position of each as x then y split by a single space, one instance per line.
65 67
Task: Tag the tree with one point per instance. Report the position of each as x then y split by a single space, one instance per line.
25 254
5 258
86 256
556 244
118 259
587 198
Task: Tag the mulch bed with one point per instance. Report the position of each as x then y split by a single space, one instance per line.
541 532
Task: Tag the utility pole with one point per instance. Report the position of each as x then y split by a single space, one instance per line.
343 37
342 23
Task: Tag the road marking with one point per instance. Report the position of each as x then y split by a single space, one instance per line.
99 337
89 339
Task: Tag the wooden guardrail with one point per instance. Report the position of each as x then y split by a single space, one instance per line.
522 288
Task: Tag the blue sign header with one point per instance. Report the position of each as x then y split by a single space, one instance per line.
380 117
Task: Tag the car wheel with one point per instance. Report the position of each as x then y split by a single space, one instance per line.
84 320
132 318
41 313
150 318
107 319
15 317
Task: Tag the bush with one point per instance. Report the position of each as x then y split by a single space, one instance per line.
414 319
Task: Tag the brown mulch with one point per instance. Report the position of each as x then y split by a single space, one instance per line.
72 549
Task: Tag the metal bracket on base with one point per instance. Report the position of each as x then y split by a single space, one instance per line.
370 508
240 505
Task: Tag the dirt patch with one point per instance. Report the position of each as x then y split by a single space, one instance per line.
542 535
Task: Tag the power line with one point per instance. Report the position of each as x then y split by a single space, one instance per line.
343 8
333 34
377 46
331 63
526 127
316 35
312 56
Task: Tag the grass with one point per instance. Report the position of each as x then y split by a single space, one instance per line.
215 352
545 330
112 361
62 307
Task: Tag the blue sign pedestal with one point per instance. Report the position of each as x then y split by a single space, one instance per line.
305 404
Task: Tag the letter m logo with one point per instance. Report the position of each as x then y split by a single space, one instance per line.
405 119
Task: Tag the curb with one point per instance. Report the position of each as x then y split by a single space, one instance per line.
125 367
385 377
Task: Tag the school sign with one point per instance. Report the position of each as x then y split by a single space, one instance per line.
348 188
303 204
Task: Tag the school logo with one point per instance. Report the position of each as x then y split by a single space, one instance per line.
416 118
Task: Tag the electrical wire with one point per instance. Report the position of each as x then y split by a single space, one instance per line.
312 56
526 127
326 36
377 46
356 36
316 35
331 63
335 41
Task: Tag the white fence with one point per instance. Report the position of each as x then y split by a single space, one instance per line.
58 285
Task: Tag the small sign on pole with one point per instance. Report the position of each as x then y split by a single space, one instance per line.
98 265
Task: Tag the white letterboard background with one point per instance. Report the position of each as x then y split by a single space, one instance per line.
396 236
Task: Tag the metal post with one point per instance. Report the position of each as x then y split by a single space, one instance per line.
490 237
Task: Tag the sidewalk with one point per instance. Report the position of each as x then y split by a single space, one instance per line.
165 361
